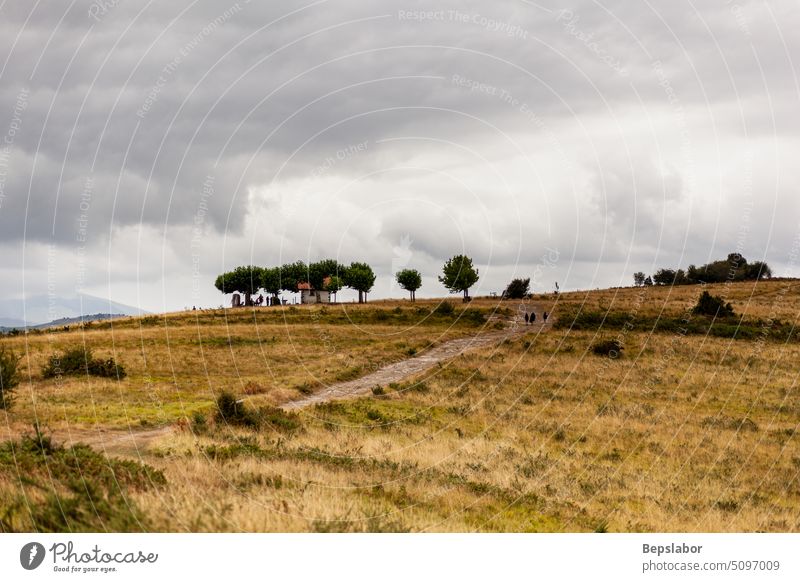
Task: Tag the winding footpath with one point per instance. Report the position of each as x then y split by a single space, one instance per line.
402 370
134 442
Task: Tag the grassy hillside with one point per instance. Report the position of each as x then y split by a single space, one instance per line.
693 428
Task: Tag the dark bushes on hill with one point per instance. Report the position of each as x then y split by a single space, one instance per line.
734 268
609 348
712 305
80 361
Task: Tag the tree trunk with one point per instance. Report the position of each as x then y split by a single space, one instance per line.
360 297
248 300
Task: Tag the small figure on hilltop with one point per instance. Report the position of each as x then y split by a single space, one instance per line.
533 316
526 318
544 316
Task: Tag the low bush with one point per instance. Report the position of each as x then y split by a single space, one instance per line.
713 306
72 489
609 348
444 308
199 423
9 376
80 361
233 411
106 369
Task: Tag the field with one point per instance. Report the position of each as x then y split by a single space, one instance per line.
692 427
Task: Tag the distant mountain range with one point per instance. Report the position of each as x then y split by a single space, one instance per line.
62 321
43 310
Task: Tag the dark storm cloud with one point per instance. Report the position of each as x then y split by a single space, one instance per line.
130 108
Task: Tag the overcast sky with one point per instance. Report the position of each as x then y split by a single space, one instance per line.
147 146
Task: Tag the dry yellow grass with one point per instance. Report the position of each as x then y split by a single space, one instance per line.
683 433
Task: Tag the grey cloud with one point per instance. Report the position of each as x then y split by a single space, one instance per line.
149 101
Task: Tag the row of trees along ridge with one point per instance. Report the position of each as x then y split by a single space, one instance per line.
458 275
734 268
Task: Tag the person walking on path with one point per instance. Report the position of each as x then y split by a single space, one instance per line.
533 316
526 318
544 316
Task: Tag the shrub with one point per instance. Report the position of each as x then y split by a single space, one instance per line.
199 423
473 316
232 411
712 305
444 308
277 419
106 369
80 361
71 489
72 362
609 348
517 289
9 376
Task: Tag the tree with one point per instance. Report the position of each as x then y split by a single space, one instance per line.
410 280
359 276
648 282
245 280
9 376
758 270
664 277
333 285
638 278
292 274
271 281
459 275
319 271
517 289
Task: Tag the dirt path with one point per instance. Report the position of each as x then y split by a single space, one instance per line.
403 370
115 442
133 442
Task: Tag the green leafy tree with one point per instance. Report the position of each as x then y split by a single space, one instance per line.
758 270
359 276
334 285
319 271
292 274
664 277
9 376
638 278
245 280
271 282
648 282
518 289
410 280
459 275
